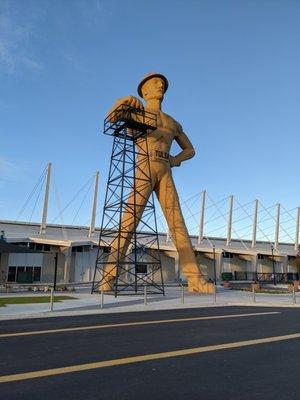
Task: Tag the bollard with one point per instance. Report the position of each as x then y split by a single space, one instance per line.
294 295
51 299
215 294
253 294
145 295
102 298
182 294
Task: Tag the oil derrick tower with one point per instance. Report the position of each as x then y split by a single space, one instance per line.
128 256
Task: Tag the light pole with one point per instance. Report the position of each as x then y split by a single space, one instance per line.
55 270
273 261
215 273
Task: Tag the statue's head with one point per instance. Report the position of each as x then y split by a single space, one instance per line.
153 86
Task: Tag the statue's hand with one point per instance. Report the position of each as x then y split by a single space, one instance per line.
131 101
174 162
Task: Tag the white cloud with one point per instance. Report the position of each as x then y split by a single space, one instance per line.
15 35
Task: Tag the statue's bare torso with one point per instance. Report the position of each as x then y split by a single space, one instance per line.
160 140
163 136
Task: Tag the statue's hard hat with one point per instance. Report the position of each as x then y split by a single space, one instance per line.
149 76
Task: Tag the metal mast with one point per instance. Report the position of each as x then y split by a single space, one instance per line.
201 224
254 228
94 208
229 223
46 199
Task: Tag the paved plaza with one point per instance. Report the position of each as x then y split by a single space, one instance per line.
86 303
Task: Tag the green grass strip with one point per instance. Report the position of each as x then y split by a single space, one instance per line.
32 299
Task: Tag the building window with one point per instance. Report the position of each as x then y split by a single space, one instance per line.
19 270
37 274
260 256
33 272
12 273
77 249
81 249
226 254
35 246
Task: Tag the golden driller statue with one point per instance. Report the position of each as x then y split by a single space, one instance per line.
152 89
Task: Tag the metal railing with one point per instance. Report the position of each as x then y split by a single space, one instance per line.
267 277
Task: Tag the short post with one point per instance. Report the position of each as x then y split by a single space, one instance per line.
253 293
102 298
145 295
51 299
215 293
294 294
182 294
215 272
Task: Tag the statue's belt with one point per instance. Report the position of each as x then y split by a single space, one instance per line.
160 155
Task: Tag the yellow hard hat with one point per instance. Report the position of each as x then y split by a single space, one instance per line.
149 76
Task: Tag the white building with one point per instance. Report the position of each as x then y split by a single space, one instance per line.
76 253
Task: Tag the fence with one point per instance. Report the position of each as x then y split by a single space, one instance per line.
265 277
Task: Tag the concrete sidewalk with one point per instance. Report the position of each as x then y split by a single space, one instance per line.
85 303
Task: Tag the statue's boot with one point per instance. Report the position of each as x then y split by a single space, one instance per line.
107 284
197 283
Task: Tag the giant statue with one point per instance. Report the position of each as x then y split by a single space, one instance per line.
152 89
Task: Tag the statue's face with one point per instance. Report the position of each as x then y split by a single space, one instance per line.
154 88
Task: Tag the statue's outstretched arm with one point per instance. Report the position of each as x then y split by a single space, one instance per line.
131 101
187 152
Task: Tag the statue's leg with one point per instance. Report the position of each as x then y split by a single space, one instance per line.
119 246
169 201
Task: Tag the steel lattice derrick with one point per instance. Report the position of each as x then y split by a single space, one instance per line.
128 253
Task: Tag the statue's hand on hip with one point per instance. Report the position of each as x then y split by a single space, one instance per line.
174 162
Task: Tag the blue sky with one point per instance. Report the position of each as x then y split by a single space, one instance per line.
233 68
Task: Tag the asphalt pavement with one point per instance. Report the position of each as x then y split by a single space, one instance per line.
207 353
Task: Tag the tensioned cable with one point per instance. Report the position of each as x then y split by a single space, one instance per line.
292 217
216 229
280 225
195 198
236 208
64 231
74 197
289 211
97 214
217 202
41 178
192 215
271 217
212 217
244 227
233 230
83 200
192 197
37 199
257 227
242 219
